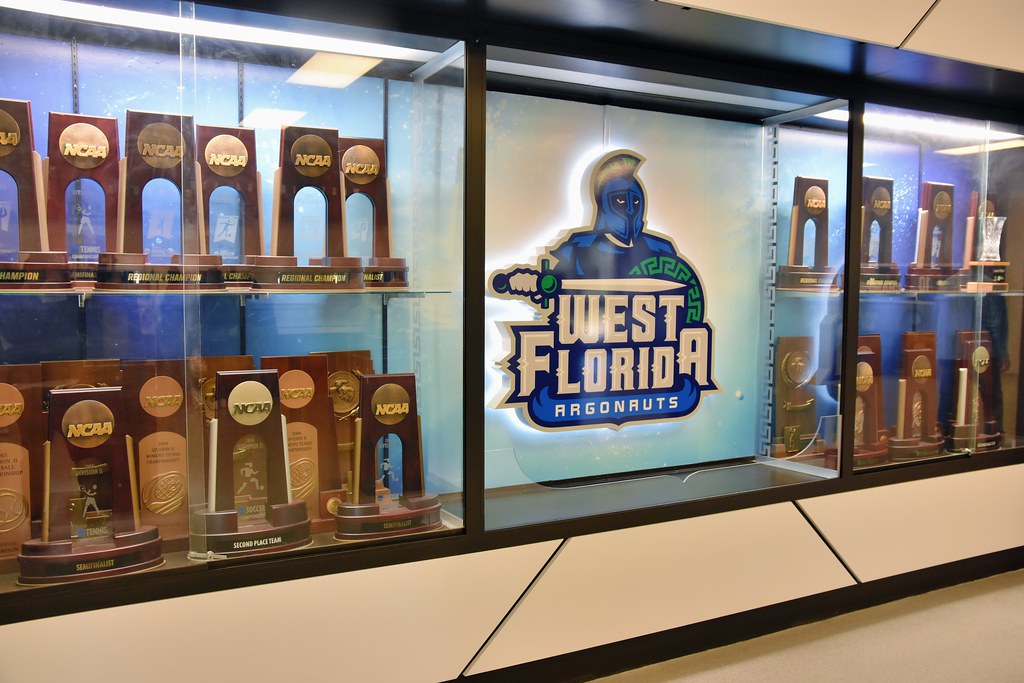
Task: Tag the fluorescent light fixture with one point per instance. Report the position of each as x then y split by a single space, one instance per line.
977 149
329 70
263 117
628 85
211 29
920 124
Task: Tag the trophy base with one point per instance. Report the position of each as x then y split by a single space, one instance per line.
933 279
967 439
83 274
131 272
907 450
237 275
802 277
60 562
868 455
879 277
386 272
217 533
987 276
328 273
356 522
36 270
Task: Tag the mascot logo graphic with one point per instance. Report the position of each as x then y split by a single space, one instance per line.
622 336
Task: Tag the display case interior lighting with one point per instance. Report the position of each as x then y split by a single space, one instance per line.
330 70
634 86
113 16
907 123
263 117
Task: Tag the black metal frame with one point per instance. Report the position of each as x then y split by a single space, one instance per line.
553 30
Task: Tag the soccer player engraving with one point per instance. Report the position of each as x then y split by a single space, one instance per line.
975 425
249 506
22 433
917 433
933 267
307 406
26 261
364 171
231 197
155 405
83 176
309 159
810 205
161 240
387 409
877 270
796 418
91 524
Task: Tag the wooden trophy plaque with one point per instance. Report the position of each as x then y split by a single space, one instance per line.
83 161
975 425
917 433
91 525
228 160
387 409
306 405
343 368
878 273
870 438
155 406
249 503
364 171
22 433
309 158
27 262
149 255
796 420
810 204
932 269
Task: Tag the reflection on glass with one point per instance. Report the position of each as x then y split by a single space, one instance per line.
389 462
359 225
310 223
227 223
161 220
808 242
8 217
86 219
874 243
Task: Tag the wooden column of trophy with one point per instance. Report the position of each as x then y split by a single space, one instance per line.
336 474
159 147
228 160
917 433
985 272
82 148
870 438
796 418
810 203
388 407
91 525
155 406
22 433
249 503
364 171
880 274
975 425
35 266
306 405
309 158
933 268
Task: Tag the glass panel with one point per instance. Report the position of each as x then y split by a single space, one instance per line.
8 217
161 220
359 225
938 308
627 341
227 224
310 224
86 218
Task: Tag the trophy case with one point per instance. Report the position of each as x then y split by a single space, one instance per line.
153 153
950 334
664 311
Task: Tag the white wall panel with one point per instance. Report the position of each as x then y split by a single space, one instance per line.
412 622
895 529
984 32
874 21
631 582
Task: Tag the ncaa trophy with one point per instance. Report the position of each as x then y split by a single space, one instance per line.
877 270
810 205
22 433
917 433
933 268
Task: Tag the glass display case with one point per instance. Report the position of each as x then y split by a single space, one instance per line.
941 345
231 254
664 314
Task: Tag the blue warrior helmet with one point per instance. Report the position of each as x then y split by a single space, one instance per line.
619 195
